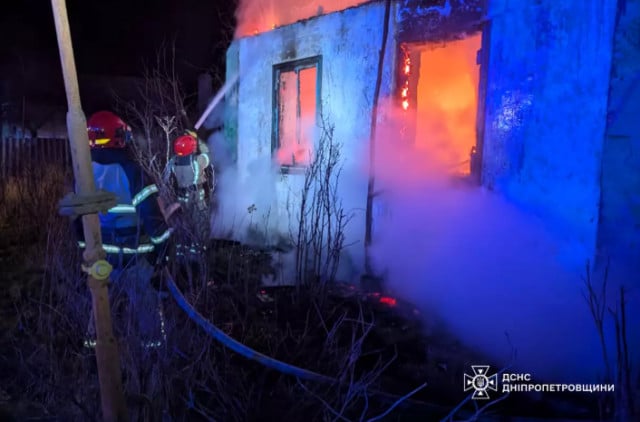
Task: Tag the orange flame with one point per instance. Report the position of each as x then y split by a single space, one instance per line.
447 98
407 65
297 113
256 16
404 94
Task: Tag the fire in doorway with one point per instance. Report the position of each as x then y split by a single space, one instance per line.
438 91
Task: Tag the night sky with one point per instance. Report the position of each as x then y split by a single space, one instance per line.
114 37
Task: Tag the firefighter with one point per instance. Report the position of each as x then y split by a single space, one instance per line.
191 175
134 232
191 171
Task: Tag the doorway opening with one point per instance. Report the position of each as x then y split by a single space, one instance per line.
439 89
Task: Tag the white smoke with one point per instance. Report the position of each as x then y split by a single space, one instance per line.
482 264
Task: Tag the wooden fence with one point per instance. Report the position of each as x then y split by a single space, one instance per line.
19 156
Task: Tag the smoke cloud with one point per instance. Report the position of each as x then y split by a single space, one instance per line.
495 275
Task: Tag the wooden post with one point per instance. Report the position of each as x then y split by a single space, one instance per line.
109 374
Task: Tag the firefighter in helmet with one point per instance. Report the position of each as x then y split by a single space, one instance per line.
190 173
190 170
135 231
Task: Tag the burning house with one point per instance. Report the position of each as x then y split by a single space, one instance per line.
521 95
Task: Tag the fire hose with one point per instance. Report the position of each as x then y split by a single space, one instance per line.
269 362
235 345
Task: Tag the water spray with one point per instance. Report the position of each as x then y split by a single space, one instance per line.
216 100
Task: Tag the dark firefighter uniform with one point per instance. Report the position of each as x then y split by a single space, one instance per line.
136 226
134 232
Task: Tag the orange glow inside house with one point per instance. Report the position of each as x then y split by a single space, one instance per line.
256 16
296 116
446 101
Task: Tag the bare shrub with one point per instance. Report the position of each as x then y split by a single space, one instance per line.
162 114
158 116
161 111
320 219
622 406
45 357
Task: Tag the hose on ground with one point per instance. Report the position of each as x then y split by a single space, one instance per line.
235 345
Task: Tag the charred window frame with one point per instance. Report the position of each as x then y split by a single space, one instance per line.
293 67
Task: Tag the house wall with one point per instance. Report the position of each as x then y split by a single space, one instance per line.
348 42
437 21
546 101
230 118
619 236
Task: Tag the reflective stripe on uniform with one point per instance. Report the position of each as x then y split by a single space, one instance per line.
140 196
122 209
144 194
164 236
110 248
113 249
144 248
196 172
208 161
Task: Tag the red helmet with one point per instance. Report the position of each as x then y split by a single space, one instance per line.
107 130
185 145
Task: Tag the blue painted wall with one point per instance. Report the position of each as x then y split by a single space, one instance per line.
549 66
619 237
